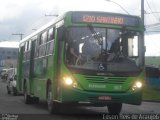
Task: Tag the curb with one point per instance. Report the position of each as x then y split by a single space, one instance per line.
156 101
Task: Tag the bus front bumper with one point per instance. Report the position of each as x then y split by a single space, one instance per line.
78 96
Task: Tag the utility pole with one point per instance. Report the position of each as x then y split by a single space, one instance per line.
20 34
142 11
142 17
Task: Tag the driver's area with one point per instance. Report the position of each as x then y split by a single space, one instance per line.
88 47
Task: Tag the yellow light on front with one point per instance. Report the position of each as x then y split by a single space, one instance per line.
138 84
68 81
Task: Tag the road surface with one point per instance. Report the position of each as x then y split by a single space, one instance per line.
11 106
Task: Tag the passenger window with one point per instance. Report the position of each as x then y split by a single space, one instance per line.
43 38
50 47
51 34
29 45
26 46
36 46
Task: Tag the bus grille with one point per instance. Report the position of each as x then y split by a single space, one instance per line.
103 79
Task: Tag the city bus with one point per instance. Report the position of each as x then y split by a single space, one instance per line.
84 58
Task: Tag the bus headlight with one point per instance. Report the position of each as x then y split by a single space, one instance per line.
137 85
68 81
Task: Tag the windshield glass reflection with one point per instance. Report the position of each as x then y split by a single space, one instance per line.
102 49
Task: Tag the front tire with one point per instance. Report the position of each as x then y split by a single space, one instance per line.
27 98
114 108
53 107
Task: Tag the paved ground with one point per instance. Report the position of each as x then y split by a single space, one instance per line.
15 105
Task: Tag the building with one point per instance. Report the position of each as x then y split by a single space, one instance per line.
8 57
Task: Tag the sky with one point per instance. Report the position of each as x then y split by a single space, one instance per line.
24 16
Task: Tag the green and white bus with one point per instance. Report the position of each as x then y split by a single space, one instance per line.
84 58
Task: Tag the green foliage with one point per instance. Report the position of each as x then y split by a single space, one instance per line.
151 94
152 61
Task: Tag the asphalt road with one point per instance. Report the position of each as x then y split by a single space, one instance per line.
14 105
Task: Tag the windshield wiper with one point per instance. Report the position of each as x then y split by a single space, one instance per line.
97 36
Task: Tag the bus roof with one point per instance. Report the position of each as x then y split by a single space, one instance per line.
42 28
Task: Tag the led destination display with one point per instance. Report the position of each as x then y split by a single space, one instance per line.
104 18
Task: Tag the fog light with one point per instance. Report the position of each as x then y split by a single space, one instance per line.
75 85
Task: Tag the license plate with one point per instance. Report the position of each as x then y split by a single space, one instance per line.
104 98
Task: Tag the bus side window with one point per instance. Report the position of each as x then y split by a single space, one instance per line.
25 50
34 40
50 44
42 47
22 52
43 38
51 34
26 46
37 48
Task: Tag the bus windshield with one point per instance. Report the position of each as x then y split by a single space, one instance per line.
102 49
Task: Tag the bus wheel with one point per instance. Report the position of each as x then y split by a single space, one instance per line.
27 98
36 100
114 108
52 106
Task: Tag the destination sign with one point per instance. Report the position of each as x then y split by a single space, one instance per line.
104 18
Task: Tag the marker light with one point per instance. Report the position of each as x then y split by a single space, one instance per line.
68 81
